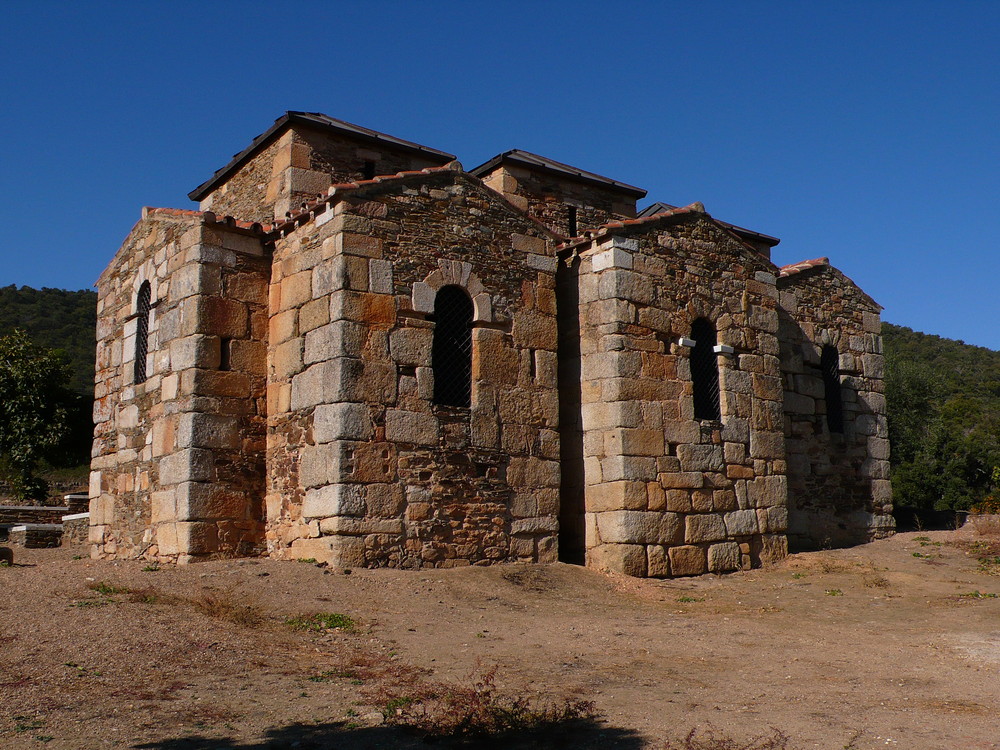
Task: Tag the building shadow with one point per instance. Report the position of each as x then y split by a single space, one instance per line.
574 734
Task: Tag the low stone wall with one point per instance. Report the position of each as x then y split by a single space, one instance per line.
75 529
36 535
18 514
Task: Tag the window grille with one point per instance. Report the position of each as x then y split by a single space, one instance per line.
451 353
829 363
142 332
705 371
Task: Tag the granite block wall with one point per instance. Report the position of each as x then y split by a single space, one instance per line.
839 489
364 468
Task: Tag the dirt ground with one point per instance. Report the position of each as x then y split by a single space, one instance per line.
892 644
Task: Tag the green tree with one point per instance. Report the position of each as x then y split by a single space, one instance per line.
33 412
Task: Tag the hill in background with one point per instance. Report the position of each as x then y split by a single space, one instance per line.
56 319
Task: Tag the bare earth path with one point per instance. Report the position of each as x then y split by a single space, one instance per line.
866 647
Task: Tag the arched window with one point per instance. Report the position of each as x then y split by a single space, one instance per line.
705 370
451 353
141 331
829 363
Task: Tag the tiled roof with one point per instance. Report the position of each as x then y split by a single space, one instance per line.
747 234
803 265
590 234
209 217
517 156
321 121
323 202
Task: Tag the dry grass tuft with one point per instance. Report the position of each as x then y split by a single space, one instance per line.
713 739
474 711
223 606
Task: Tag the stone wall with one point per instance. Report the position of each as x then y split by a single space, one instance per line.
177 468
839 490
667 494
547 197
364 468
299 165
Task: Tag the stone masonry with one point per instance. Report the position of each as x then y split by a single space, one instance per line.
293 399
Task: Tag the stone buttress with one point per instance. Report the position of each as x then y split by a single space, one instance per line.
836 431
666 493
178 455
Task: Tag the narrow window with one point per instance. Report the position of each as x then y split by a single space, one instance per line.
141 332
829 363
705 371
225 344
368 171
451 351
571 220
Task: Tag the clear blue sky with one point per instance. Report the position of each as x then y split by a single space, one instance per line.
867 132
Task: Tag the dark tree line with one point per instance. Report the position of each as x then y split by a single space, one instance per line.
944 420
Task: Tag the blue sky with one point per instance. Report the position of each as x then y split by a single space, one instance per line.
866 132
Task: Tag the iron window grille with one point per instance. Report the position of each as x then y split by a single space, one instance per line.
829 363
705 371
142 305
451 351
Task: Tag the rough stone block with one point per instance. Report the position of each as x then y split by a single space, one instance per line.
657 562
700 457
687 561
334 500
191 465
707 527
629 559
201 430
633 442
411 427
767 492
638 527
622 495
344 421
194 351
411 346
724 558
642 469
532 472
741 522
682 480
203 501
197 538
765 444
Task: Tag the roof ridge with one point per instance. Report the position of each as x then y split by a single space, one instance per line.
695 208
802 265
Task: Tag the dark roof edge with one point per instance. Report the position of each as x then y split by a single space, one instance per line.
317 120
766 239
535 161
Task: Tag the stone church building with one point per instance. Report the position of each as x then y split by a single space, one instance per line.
358 351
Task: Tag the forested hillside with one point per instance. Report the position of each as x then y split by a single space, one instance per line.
944 419
56 319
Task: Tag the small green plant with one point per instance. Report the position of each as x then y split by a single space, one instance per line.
77 557
105 589
83 603
834 592
321 622
921 538
26 723
797 576
689 599
978 595
151 568
309 560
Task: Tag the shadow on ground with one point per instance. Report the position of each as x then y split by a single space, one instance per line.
583 733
